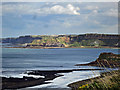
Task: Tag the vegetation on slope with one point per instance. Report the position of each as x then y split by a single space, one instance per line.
105 60
109 80
48 41
90 40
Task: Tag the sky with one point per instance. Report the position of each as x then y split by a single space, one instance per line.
55 18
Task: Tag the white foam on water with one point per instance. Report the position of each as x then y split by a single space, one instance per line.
63 81
21 76
34 76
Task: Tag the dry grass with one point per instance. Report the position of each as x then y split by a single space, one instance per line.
109 80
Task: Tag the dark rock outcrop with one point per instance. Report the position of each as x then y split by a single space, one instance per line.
105 60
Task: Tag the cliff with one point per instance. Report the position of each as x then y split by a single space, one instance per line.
65 40
105 60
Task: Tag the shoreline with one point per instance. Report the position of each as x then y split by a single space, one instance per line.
61 47
17 83
106 60
103 76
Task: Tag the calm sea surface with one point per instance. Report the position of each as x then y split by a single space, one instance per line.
17 60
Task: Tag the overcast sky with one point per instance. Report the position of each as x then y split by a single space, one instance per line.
48 18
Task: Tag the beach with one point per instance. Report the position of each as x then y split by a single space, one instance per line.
16 83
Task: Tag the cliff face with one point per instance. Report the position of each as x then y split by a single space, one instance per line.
20 40
105 60
100 39
66 40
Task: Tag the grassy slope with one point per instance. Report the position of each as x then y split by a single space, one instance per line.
51 40
105 60
66 41
108 80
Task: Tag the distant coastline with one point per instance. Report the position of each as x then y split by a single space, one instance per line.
61 47
63 41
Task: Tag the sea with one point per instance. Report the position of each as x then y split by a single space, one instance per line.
16 61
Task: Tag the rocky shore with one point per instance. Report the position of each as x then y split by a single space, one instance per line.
17 83
105 60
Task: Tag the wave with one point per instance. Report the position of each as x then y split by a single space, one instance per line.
48 66
21 76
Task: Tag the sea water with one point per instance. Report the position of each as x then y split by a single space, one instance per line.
16 61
